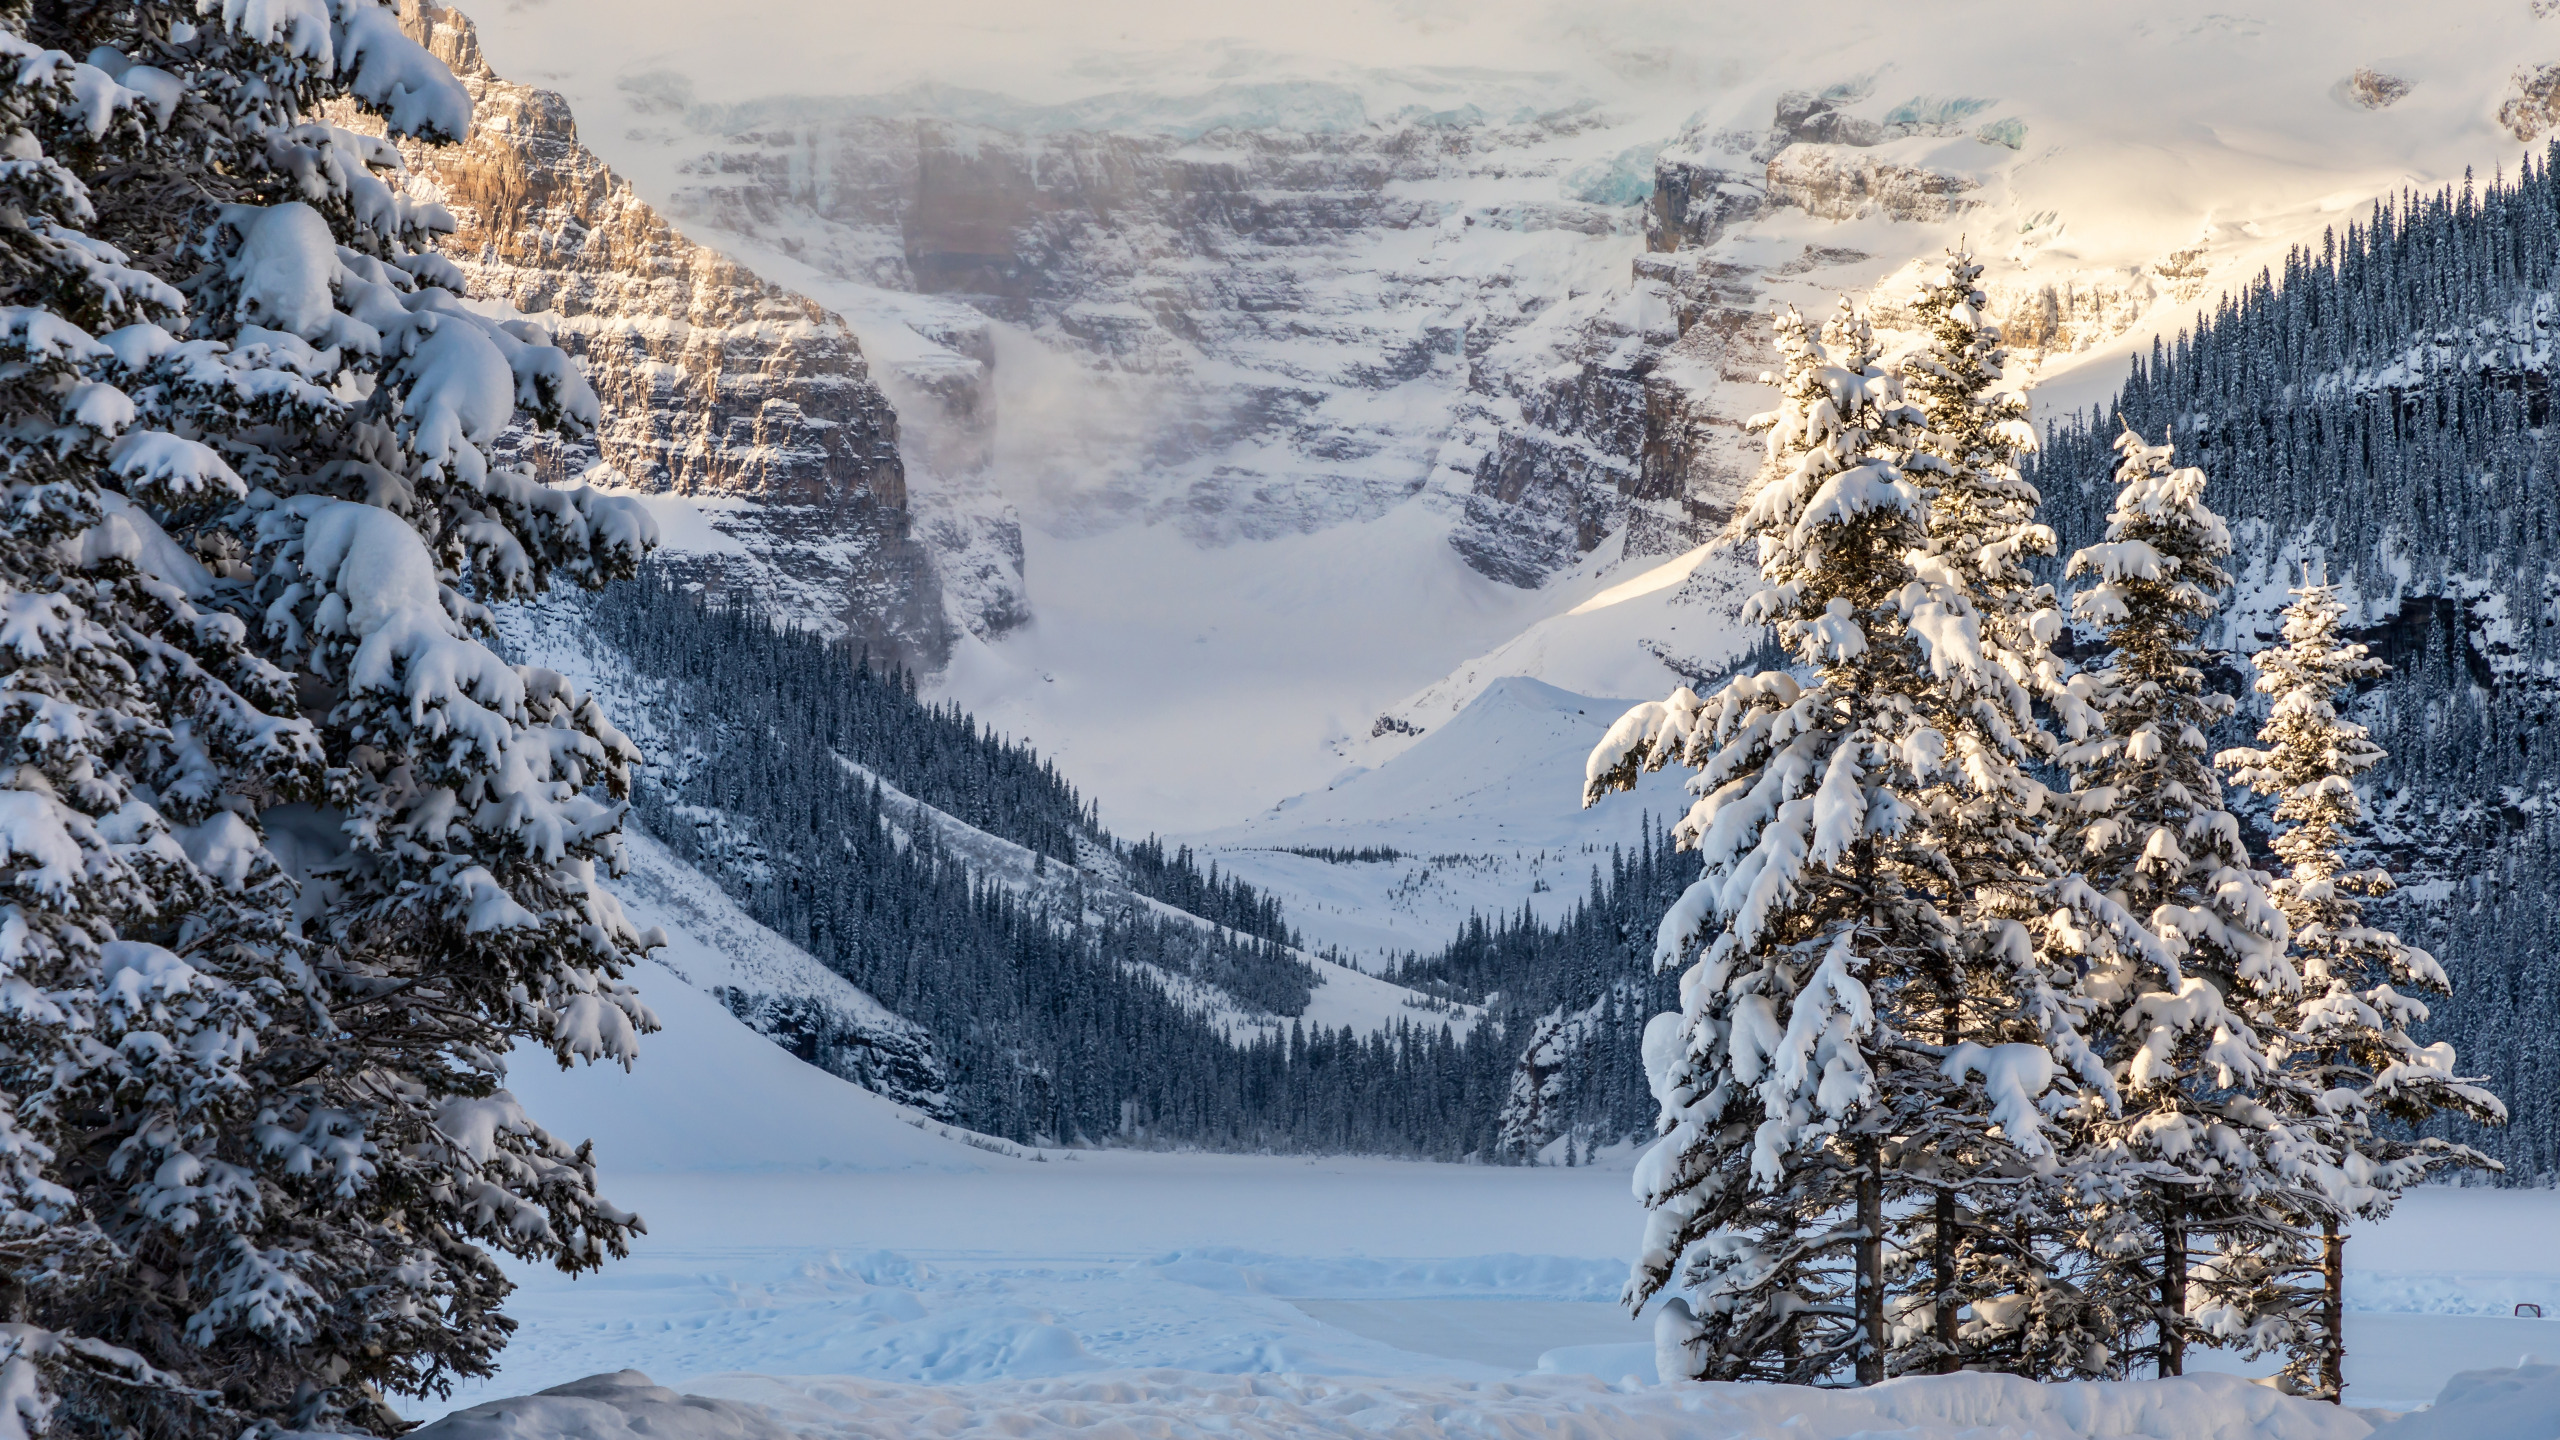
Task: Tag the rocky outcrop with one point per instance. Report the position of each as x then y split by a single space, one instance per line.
2532 105
716 384
2375 90
1696 451
1697 197
1840 182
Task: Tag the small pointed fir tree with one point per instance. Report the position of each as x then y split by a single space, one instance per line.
2195 1159
2346 1069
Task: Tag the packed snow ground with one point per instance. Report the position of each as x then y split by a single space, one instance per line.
799 1226
1170 1405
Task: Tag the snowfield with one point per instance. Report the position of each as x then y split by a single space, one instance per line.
1170 1404
824 1263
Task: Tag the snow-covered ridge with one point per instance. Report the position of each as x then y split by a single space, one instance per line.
1482 814
783 991
1343 995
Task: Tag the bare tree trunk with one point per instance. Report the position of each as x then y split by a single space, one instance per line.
2333 1313
1871 1262
2173 1285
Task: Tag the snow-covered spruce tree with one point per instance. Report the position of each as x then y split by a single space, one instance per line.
1802 1071
139 982
2346 1069
2195 1161
1988 1287
297 858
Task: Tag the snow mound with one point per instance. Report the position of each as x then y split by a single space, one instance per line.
710 1094
2518 1404
608 1407
1175 1404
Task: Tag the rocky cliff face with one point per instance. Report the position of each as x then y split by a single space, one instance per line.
1319 325
1250 327
717 385
1324 323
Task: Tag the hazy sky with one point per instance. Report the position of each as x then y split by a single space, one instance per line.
1042 50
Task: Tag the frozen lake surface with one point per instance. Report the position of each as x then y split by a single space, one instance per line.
840 1236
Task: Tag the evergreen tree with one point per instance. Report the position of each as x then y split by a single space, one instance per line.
138 982
2193 1159
1803 1072
2381 401
1980 1247
2346 1069
303 859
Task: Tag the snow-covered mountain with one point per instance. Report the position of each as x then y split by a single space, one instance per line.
1288 431
1393 860
1322 355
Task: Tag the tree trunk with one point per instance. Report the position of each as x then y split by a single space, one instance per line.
2333 1313
2173 1285
1942 1258
1871 1263
1942 1261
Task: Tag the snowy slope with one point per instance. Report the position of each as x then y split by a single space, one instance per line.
1628 635
1343 997
713 945
1484 810
709 1094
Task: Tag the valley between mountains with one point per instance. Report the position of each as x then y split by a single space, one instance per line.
1240 472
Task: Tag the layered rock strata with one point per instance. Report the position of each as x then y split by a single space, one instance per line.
717 385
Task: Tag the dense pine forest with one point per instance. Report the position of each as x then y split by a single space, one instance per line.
830 695
2383 407
1055 1015
1579 991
